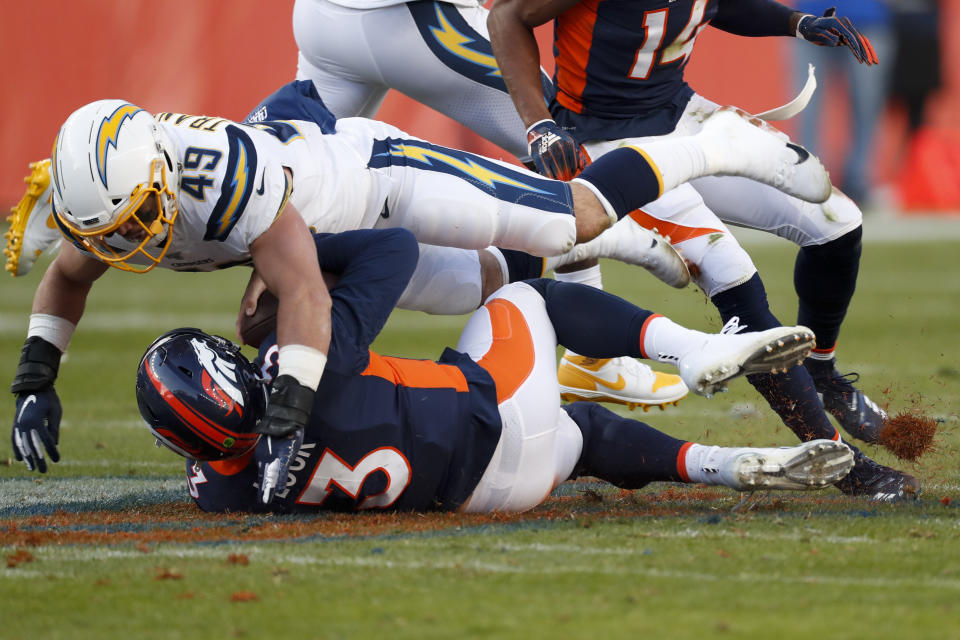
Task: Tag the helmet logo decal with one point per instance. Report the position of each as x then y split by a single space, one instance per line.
108 134
217 393
221 371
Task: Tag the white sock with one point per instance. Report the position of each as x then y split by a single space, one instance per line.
666 341
677 160
710 465
590 276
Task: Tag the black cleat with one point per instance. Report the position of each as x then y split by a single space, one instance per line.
860 416
877 482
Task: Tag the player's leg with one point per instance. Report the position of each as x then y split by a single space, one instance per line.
630 454
512 338
825 276
447 64
335 55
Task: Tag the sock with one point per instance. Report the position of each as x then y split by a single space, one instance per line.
791 395
665 340
825 278
821 364
590 276
623 180
624 452
700 464
517 265
592 322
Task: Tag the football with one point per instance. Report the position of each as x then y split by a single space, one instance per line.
253 329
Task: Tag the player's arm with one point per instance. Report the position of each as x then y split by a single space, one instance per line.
511 24
756 18
57 307
285 258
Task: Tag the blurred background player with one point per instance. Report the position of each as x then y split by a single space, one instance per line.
619 80
439 54
479 430
866 87
199 193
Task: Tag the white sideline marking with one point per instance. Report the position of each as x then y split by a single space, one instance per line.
265 556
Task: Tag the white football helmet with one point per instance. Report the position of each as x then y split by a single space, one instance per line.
116 176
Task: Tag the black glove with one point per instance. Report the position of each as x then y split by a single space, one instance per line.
273 456
288 410
554 152
831 31
36 423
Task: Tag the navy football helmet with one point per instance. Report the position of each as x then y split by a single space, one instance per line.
200 396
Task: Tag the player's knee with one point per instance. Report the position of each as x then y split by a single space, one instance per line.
719 262
447 281
539 233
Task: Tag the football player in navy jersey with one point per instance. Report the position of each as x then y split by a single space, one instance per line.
199 193
481 429
619 80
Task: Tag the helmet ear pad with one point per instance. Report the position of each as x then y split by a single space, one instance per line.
200 396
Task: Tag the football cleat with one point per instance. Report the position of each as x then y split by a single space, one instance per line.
737 143
811 465
32 228
860 416
633 244
878 482
707 367
620 380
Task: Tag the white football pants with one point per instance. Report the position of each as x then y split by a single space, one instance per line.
512 337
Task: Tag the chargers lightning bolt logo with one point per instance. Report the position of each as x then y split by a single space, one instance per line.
108 133
465 165
455 42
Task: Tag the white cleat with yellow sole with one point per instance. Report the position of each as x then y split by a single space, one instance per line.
32 228
620 380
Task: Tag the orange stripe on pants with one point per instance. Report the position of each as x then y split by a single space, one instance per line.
510 357
677 232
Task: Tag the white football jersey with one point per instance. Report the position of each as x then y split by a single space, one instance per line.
233 186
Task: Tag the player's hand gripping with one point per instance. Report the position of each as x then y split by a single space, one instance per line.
288 410
829 30
554 151
36 423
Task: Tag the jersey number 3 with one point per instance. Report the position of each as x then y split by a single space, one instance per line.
654 26
332 470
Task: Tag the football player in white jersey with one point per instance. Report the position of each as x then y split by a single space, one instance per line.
198 193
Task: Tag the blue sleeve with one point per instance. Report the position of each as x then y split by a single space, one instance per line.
753 18
374 266
297 100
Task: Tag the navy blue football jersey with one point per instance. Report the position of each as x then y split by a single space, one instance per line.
384 433
619 65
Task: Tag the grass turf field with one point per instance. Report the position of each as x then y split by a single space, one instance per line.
107 545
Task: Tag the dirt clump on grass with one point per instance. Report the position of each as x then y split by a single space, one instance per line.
909 434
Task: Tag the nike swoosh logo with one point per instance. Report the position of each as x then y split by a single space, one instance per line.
262 178
616 386
802 153
386 211
26 403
